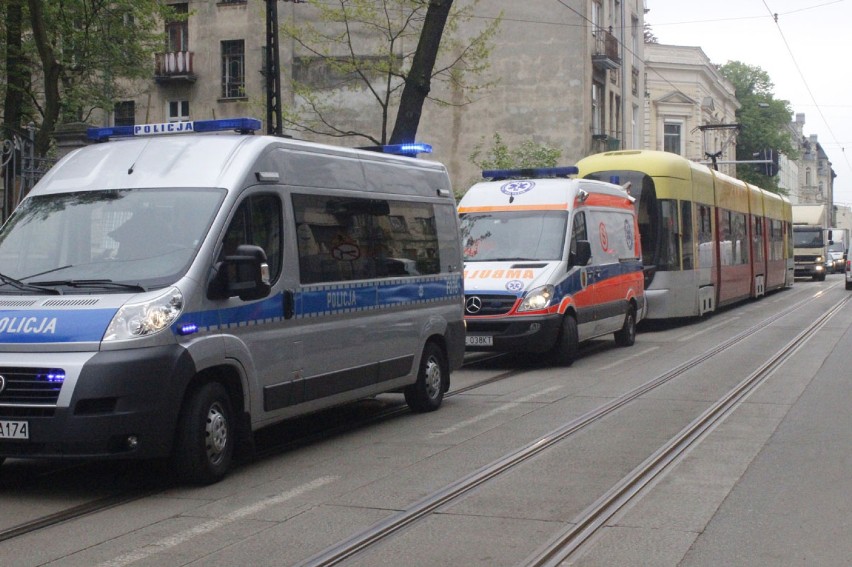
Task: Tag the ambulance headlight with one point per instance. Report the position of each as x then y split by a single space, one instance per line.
537 299
147 317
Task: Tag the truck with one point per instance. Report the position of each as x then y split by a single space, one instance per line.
810 240
838 243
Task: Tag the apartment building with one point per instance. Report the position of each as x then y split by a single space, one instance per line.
567 74
691 107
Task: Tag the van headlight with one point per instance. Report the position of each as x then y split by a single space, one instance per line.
537 299
145 318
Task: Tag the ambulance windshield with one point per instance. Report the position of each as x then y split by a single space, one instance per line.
119 239
513 235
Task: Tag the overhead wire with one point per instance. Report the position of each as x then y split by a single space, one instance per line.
775 17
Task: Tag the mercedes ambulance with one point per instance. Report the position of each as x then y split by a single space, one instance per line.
171 294
549 261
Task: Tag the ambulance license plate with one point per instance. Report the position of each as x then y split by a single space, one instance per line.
479 340
14 429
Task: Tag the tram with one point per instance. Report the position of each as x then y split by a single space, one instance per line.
708 239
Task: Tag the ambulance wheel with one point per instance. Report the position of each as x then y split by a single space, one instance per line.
428 392
568 344
626 336
204 446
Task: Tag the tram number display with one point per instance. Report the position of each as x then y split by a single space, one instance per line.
14 430
479 340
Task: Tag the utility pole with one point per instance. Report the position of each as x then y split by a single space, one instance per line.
273 71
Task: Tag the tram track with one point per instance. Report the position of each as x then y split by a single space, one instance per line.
361 542
429 504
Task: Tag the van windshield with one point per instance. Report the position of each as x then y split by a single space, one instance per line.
513 235
143 237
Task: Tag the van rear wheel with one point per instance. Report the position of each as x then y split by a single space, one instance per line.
428 392
567 344
204 446
626 336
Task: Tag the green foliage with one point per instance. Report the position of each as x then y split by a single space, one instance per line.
765 120
500 156
365 48
82 54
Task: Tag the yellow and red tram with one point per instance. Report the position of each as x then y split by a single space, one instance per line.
708 239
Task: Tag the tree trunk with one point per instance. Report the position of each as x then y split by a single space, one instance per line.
419 79
16 71
52 70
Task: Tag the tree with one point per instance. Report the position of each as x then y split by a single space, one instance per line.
527 154
79 54
764 119
366 53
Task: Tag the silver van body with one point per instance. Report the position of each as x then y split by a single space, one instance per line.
267 278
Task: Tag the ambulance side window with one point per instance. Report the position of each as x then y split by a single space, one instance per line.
257 221
578 232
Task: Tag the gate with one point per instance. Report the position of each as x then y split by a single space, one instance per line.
20 167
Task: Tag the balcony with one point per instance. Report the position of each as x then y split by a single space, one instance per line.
174 66
605 54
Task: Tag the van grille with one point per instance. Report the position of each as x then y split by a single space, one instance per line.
488 304
38 386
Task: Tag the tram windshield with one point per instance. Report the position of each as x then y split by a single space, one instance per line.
513 236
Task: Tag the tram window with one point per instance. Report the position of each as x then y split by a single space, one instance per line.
705 237
686 234
669 258
757 236
726 248
741 238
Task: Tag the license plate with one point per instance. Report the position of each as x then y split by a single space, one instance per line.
479 340
14 430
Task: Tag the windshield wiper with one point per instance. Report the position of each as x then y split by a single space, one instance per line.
28 287
106 284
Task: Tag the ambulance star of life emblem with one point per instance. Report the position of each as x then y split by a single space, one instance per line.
2 383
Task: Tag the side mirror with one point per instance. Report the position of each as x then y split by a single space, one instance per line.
583 254
244 274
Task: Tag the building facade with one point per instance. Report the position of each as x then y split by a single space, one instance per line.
568 75
691 107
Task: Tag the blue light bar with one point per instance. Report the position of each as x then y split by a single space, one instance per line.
241 125
528 172
410 149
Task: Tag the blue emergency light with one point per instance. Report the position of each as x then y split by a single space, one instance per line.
528 172
407 149
241 125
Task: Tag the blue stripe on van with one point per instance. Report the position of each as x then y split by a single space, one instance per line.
332 299
20 326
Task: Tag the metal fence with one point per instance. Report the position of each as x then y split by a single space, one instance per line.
21 168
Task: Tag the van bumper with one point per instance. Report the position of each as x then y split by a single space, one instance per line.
119 396
515 334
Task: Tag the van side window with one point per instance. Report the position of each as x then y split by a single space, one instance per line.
346 238
257 221
578 231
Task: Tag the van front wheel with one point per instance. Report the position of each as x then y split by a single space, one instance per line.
626 336
428 392
204 445
567 345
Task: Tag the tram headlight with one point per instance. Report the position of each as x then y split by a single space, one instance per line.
537 299
146 317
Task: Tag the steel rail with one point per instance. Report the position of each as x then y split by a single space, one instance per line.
566 544
360 542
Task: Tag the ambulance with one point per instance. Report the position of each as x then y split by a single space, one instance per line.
550 261
169 295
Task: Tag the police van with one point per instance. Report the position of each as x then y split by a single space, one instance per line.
549 261
170 295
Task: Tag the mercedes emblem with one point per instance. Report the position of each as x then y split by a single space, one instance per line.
2 383
473 305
